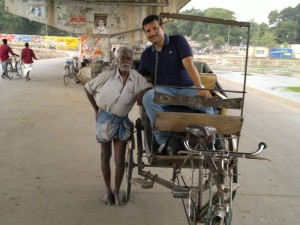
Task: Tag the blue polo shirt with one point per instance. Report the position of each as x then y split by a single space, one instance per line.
170 70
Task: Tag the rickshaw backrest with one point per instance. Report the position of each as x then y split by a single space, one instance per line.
177 121
208 80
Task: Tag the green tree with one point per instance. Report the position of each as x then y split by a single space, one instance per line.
285 31
273 18
283 27
219 13
263 39
261 35
213 34
284 24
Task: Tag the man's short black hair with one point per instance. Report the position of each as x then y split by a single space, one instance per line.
83 64
151 18
26 45
86 61
4 41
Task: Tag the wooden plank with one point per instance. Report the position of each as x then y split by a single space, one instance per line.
175 121
199 101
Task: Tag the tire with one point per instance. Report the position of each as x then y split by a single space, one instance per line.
129 167
230 145
217 221
139 141
213 217
66 75
194 207
192 212
19 69
74 75
9 69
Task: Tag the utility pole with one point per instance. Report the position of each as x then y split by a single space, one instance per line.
228 37
297 31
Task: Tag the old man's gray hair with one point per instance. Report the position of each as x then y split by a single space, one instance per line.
124 49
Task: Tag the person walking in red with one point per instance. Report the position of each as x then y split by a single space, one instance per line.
4 55
27 55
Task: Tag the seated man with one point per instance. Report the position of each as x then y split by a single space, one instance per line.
85 73
174 67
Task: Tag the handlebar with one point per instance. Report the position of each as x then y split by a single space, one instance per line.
12 58
224 153
261 146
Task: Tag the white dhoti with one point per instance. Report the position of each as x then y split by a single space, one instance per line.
27 68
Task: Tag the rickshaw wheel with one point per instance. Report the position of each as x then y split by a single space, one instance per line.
129 167
231 145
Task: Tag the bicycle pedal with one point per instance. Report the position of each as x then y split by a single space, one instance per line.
180 192
145 184
235 186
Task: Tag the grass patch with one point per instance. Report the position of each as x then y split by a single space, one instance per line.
293 89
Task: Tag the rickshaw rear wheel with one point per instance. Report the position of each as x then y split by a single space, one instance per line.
129 167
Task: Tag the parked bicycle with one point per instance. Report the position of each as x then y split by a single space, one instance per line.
71 69
14 66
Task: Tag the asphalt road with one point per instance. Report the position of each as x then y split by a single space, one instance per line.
50 167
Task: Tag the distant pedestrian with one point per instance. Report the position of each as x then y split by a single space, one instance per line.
27 55
85 73
4 55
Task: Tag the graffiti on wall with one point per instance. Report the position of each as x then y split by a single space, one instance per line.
53 42
89 47
94 48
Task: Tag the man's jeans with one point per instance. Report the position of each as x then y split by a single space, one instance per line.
4 68
152 108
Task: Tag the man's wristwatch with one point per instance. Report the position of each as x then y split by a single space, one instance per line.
200 86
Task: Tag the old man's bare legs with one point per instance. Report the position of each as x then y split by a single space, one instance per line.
119 159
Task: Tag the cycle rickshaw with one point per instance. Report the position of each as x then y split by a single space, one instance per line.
204 169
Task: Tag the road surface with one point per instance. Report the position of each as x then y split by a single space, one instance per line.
50 166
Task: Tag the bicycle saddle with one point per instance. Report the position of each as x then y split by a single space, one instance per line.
201 130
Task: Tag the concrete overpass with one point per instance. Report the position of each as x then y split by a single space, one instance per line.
121 18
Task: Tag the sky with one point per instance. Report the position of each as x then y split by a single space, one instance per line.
245 10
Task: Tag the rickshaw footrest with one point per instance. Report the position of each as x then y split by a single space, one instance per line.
145 184
180 192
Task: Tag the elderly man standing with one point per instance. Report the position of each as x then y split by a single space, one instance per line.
112 94
4 55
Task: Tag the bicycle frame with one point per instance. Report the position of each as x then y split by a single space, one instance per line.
220 175
13 66
70 69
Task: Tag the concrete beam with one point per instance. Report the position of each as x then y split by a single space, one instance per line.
81 17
